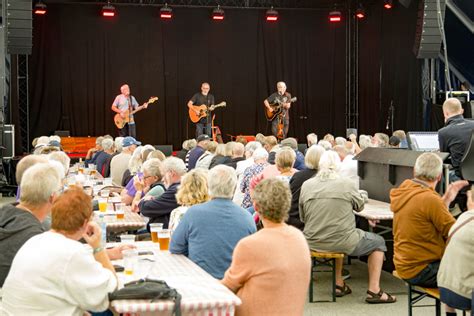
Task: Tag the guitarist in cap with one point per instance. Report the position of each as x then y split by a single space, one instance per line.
124 104
282 98
202 98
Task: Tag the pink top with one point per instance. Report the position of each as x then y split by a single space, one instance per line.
270 272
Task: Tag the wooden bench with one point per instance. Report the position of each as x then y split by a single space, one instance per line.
330 258
417 293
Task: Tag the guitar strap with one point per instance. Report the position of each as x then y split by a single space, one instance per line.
130 109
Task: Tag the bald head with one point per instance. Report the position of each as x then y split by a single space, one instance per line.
452 107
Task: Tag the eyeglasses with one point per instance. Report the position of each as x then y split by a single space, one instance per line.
144 178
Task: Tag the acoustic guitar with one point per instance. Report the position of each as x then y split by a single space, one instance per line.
121 121
203 111
277 107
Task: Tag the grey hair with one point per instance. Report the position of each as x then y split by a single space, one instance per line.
252 146
281 83
329 165
118 143
175 165
238 149
25 163
107 144
313 155
98 140
153 167
312 139
62 158
55 137
260 153
222 181
135 163
325 144
39 183
340 141
428 166
365 141
60 170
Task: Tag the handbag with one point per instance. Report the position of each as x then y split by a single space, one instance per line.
148 289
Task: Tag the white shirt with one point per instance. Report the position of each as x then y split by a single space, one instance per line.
348 170
55 275
241 166
118 166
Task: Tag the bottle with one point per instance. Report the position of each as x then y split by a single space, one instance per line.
103 230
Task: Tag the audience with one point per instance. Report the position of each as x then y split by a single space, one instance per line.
65 279
455 274
242 166
421 221
348 167
205 160
193 190
150 182
313 155
260 156
159 209
195 153
276 255
208 232
238 150
119 163
293 144
327 202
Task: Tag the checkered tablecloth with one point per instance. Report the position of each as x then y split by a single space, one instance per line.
132 221
376 210
201 293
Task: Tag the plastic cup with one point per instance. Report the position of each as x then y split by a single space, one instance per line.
105 193
154 229
164 239
129 260
107 181
127 239
119 210
102 204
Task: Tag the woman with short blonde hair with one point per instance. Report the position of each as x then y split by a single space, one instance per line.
193 190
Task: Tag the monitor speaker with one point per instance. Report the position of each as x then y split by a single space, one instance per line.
165 149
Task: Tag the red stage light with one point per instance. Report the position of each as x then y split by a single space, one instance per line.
335 16
108 11
166 12
272 15
40 8
388 4
360 13
218 14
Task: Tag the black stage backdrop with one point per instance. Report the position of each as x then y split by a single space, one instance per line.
80 60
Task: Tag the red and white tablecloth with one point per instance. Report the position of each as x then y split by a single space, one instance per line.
201 293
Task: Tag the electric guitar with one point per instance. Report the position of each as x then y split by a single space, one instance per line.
277 107
203 111
121 121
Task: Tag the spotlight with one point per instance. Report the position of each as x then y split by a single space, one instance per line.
108 10
360 12
166 12
272 15
40 8
388 4
335 16
218 14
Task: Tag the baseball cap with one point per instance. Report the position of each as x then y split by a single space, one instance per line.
129 141
203 137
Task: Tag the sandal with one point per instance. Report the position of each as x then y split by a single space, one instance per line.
344 290
376 298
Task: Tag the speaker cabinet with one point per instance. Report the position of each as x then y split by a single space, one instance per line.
428 34
8 141
19 27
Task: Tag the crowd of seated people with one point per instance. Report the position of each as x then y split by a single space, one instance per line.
224 203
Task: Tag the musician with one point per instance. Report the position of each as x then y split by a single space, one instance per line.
124 102
284 97
202 98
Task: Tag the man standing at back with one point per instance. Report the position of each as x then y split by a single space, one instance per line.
454 137
202 98
208 232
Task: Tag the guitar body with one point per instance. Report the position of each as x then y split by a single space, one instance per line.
202 113
277 109
120 121
271 115
203 110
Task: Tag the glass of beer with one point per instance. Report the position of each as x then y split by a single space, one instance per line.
154 229
92 169
164 239
102 204
129 260
119 210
